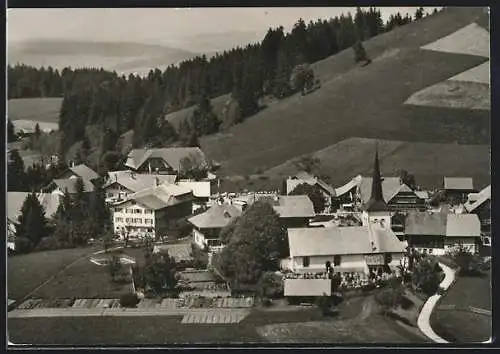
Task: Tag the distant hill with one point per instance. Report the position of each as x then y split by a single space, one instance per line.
121 57
363 102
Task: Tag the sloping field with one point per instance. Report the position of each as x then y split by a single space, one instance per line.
218 104
26 272
462 93
34 109
365 102
479 74
469 89
427 161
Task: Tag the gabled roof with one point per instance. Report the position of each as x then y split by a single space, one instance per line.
442 224
483 196
425 223
463 225
391 186
342 241
136 182
172 156
353 183
287 206
200 189
304 177
158 197
15 201
84 172
459 183
70 184
294 206
217 217
308 287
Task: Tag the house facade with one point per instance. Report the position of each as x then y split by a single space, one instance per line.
397 195
121 184
151 212
208 225
436 233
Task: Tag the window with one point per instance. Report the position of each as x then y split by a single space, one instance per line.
336 260
138 211
387 258
129 220
118 210
150 230
148 221
148 212
109 194
306 261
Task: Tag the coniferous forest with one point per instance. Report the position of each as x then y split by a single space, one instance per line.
116 104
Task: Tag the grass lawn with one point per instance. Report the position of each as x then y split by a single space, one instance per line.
363 102
26 272
144 330
461 325
87 280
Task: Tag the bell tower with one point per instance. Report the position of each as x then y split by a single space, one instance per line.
376 209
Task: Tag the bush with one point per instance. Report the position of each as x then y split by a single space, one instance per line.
200 257
129 300
390 297
49 243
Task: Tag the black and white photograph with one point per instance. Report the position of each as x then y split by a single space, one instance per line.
234 176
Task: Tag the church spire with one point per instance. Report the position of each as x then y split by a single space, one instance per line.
376 202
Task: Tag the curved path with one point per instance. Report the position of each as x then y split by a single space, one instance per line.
425 314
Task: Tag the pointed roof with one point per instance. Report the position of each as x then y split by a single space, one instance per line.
376 202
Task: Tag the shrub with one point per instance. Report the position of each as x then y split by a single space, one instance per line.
390 297
200 257
129 300
49 243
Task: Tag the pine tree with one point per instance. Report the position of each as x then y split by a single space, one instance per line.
16 175
11 135
32 225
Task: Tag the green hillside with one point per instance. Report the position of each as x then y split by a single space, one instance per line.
364 102
35 109
429 162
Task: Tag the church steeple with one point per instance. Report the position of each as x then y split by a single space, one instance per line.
376 202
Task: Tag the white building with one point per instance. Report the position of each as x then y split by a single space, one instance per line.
150 212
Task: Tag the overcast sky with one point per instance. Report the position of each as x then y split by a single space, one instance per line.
158 26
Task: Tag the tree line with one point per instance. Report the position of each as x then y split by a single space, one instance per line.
118 103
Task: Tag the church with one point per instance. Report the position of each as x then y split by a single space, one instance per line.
370 248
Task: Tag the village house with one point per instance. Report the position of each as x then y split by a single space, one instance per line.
457 188
435 233
397 195
15 201
293 210
208 225
120 184
480 204
59 187
151 212
326 190
79 171
164 160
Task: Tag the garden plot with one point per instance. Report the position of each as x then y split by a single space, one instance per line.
96 303
41 303
214 317
181 252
